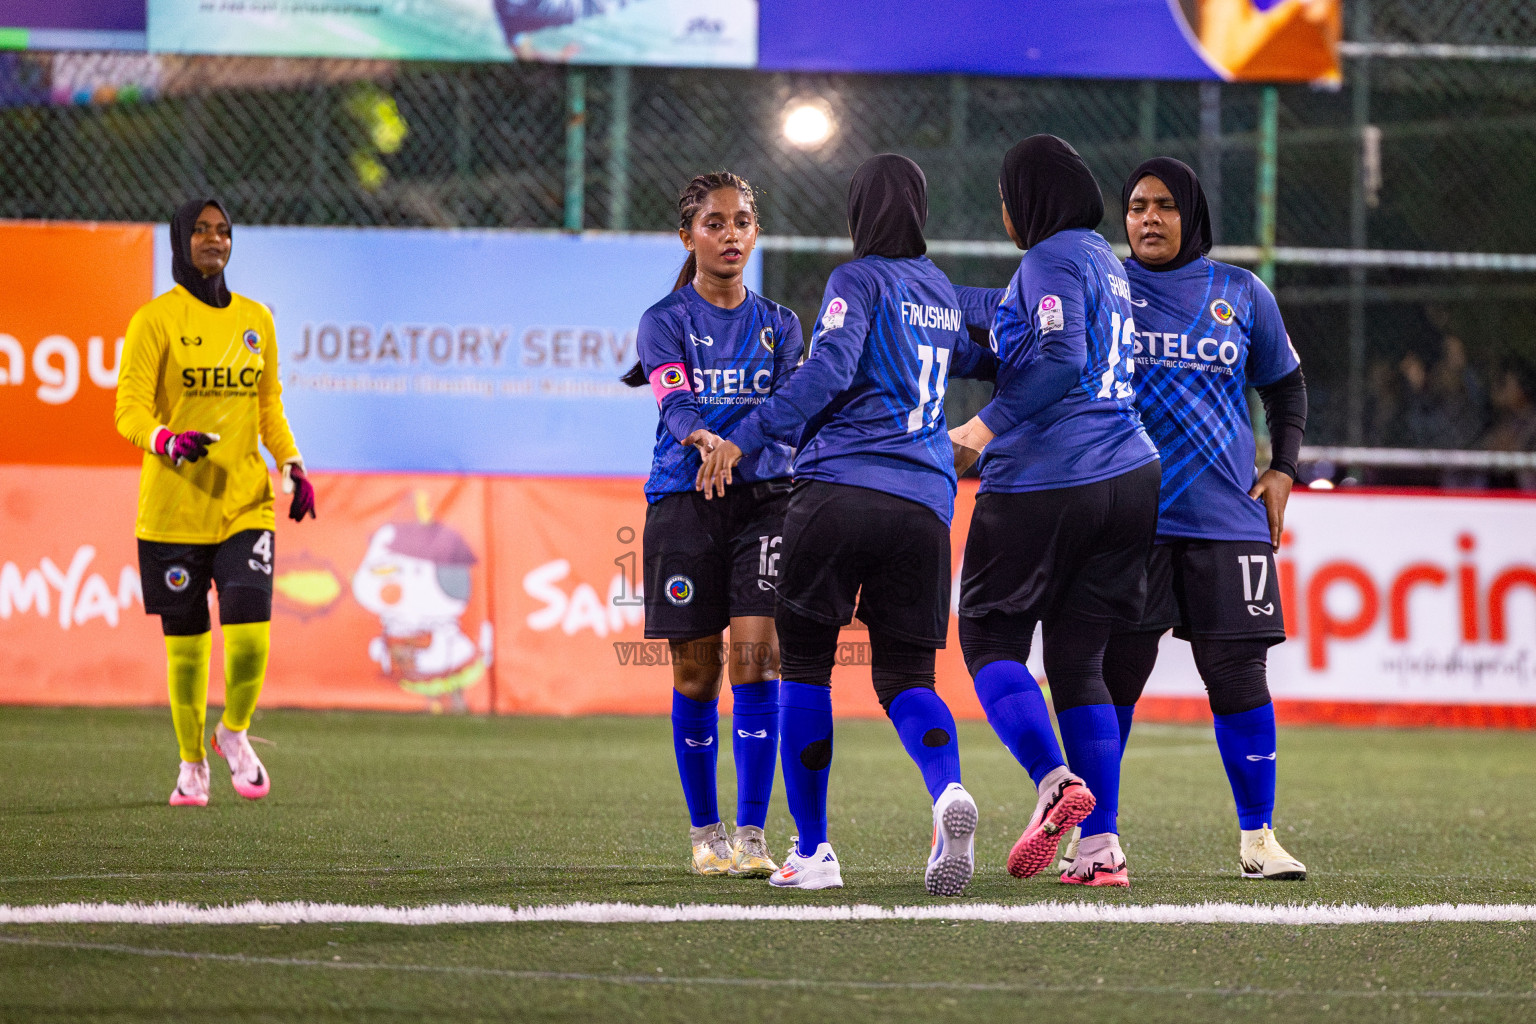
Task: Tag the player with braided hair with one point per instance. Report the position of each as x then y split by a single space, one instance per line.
712 351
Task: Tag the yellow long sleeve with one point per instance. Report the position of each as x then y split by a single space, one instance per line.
275 432
140 409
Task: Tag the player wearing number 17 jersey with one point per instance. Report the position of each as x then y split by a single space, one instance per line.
198 391
868 519
1205 331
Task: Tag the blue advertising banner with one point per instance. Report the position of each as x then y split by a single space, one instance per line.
458 351
1250 40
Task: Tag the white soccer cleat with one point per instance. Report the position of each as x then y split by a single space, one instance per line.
191 785
820 870
952 861
749 853
1069 854
1262 856
711 850
246 771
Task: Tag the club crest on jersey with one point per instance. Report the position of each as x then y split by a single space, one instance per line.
672 377
177 579
679 590
837 312
1221 309
766 338
252 342
1049 314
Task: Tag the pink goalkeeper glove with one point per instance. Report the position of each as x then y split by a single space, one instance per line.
187 446
296 482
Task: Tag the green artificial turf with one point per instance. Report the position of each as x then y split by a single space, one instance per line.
408 810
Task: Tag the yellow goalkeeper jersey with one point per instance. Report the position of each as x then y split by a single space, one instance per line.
189 366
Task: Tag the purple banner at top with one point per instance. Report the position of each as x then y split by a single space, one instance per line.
86 15
1250 40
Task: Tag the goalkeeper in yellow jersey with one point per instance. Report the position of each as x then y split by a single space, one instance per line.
198 387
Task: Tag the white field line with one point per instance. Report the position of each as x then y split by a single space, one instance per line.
683 981
1052 912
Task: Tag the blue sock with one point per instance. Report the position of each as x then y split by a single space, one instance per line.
805 743
1124 713
1016 710
1247 744
695 725
755 744
1091 735
927 730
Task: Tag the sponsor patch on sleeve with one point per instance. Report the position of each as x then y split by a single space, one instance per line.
837 312
1048 314
667 379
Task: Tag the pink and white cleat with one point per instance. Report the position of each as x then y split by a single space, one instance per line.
1099 861
246 771
1064 802
191 785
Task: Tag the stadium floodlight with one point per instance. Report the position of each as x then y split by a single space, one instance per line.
808 123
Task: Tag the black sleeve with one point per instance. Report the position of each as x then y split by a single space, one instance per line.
1285 410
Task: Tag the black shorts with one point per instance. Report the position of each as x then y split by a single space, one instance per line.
175 577
1072 552
707 562
1213 590
844 543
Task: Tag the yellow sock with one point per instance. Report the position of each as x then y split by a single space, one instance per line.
186 660
245 669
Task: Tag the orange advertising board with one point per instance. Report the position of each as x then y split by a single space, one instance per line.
570 623
379 603
67 292
521 596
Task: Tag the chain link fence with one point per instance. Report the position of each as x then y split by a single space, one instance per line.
1415 152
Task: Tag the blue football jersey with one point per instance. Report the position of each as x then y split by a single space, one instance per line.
1204 333
1065 321
867 407
709 367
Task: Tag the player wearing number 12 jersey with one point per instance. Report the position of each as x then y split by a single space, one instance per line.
712 351
868 519
197 391
1066 510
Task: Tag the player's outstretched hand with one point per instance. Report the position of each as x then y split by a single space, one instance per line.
1274 490
704 440
296 482
715 473
187 446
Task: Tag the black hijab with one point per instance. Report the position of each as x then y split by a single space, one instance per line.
1048 188
887 208
208 290
1188 196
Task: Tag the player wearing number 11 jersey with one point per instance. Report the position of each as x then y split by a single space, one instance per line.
198 391
868 518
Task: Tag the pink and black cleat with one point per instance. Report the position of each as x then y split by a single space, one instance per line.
246 771
1099 862
1064 802
191 785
